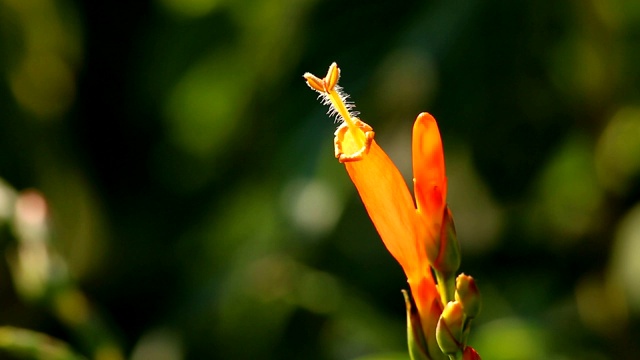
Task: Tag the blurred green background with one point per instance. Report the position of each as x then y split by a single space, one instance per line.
194 209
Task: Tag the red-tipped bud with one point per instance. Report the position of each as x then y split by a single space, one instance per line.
470 354
468 295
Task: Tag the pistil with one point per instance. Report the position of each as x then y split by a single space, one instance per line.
328 88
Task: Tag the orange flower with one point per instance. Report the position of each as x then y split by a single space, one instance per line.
412 235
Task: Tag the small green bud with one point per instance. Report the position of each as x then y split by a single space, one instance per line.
468 295
448 260
449 329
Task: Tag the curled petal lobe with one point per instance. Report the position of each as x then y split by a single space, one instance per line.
346 145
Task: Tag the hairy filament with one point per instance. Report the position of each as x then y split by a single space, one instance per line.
337 100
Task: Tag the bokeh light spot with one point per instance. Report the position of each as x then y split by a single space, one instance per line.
568 196
159 344
203 108
618 151
625 265
312 206
43 84
509 339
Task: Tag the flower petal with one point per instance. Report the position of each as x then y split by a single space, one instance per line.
430 182
427 300
390 206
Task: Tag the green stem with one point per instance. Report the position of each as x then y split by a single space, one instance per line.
466 329
446 287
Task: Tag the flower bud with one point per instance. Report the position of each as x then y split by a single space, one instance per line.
448 260
415 335
449 329
468 295
470 354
